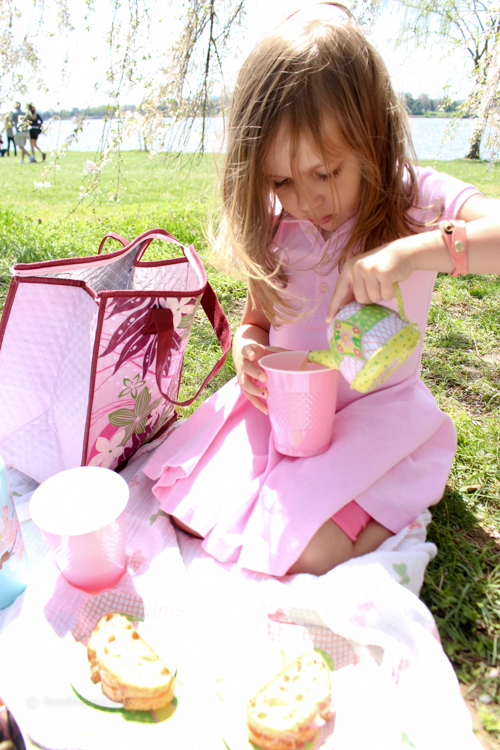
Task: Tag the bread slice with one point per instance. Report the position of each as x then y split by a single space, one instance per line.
286 712
110 626
129 670
130 703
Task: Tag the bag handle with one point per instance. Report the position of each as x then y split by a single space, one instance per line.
161 322
112 236
143 241
154 234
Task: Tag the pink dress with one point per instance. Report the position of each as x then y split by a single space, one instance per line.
392 449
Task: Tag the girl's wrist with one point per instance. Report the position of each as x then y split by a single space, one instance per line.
455 238
426 251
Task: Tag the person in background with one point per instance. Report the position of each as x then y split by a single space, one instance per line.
16 114
18 118
9 132
35 123
2 149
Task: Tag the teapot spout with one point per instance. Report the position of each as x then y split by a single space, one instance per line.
324 357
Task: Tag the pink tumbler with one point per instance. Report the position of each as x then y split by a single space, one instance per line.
82 513
302 398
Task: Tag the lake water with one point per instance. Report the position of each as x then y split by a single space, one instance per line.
427 136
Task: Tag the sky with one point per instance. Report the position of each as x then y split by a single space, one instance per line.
84 55
415 70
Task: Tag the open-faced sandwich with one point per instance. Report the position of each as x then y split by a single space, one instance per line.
288 711
129 671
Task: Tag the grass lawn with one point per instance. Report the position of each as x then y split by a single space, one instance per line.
461 366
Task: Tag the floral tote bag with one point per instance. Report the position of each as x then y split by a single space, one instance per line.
91 354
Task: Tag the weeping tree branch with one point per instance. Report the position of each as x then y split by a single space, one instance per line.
179 94
181 104
211 44
475 28
19 60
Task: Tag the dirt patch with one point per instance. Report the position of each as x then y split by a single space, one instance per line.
487 740
493 359
460 310
483 536
237 306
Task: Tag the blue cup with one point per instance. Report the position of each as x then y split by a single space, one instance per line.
13 561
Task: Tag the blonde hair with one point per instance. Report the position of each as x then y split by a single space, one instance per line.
308 71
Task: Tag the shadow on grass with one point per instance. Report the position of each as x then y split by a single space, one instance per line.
451 340
462 587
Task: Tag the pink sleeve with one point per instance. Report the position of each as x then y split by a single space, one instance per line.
439 191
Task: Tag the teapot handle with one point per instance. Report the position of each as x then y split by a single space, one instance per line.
399 300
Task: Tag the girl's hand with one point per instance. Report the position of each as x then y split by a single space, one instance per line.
250 344
251 377
370 277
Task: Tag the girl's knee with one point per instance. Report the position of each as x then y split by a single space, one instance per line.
329 547
370 538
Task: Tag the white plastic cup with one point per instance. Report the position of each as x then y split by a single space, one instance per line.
301 403
82 514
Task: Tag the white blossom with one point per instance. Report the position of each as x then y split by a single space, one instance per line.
108 450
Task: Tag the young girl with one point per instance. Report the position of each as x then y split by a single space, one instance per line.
317 178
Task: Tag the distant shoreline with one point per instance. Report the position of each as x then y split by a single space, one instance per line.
427 135
436 116
424 116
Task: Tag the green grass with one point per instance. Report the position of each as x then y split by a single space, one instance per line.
486 177
141 185
461 366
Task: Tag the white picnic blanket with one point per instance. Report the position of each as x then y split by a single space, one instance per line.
392 686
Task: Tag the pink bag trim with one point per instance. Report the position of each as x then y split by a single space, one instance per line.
14 285
93 375
69 264
114 236
58 282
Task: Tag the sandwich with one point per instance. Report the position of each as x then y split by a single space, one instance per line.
288 711
129 670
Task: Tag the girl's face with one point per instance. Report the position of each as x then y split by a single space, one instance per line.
308 195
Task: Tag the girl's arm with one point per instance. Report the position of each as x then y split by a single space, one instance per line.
250 343
371 277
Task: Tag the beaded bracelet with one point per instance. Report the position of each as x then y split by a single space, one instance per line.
455 238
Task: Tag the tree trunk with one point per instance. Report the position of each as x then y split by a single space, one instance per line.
475 143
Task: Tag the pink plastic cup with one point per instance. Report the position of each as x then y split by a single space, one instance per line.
301 403
82 514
